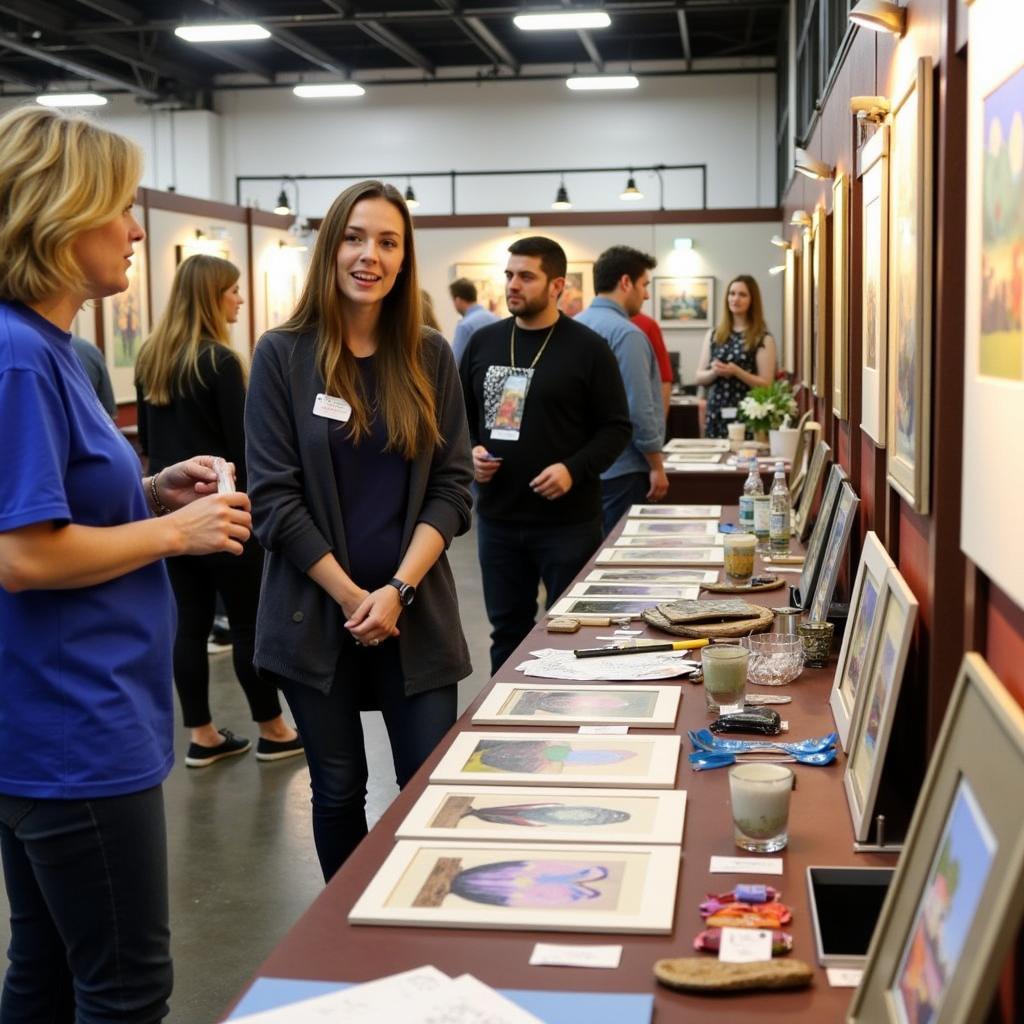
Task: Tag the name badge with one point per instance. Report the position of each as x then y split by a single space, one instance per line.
332 408
508 418
728 413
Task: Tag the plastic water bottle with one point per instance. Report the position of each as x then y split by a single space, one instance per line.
751 486
779 520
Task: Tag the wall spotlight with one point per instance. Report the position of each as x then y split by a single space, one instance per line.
880 16
870 108
779 242
775 271
800 219
811 167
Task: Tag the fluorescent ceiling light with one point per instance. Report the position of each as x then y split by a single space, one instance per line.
561 20
72 99
240 32
326 90
591 82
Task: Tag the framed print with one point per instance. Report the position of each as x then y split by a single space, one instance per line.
619 607
696 444
542 887
876 702
789 301
819 314
684 301
521 814
125 327
815 470
489 279
661 556
651 574
578 704
867 606
654 591
671 528
579 288
507 758
991 496
822 524
910 290
692 457
954 906
674 512
840 291
835 549
873 168
806 442
670 540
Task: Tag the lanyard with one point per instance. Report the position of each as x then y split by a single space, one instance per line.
540 351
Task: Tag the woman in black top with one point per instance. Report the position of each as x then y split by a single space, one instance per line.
738 354
190 387
359 463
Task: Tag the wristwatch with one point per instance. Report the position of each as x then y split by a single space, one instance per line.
406 591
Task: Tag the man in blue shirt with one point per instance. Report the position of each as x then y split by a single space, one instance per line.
474 316
621 277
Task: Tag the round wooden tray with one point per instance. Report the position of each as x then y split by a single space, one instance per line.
761 622
730 588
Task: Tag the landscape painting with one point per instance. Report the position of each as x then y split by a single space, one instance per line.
684 301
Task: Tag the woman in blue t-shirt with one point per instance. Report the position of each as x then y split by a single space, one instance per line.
86 613
358 457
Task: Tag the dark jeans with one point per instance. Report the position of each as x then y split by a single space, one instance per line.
87 884
514 558
197 580
618 493
333 736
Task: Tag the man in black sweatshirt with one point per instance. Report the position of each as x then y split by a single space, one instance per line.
547 414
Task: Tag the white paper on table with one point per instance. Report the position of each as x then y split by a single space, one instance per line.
464 1001
549 954
745 945
382 999
698 467
746 866
844 977
555 663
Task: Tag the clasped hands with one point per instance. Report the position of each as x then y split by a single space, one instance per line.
723 369
372 615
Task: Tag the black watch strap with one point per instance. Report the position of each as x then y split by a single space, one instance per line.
406 591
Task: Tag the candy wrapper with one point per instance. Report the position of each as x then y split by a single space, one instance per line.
225 477
709 940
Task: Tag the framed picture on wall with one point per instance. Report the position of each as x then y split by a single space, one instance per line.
579 288
807 307
840 291
684 301
910 265
125 326
994 314
819 314
873 169
489 279
954 907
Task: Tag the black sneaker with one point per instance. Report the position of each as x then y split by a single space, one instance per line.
199 756
278 750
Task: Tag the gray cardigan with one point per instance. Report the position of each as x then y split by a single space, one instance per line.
297 518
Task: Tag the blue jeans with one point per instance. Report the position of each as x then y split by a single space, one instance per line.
87 884
618 493
514 558
332 733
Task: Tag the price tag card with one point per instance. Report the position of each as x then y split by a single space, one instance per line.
605 730
746 865
844 977
745 945
547 954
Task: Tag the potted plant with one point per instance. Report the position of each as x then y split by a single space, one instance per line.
768 411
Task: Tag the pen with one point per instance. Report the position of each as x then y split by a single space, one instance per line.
640 647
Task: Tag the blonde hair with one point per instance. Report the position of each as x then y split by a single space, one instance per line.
60 175
405 396
756 326
168 362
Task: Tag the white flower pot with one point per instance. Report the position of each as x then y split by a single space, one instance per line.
782 443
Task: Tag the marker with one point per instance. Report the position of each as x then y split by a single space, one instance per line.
640 647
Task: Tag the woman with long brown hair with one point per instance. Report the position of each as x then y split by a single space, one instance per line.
738 354
359 465
190 386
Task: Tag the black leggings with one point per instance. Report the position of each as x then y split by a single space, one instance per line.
197 579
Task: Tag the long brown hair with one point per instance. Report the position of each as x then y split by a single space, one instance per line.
169 360
405 396
756 326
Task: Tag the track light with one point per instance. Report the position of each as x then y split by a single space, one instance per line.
631 193
221 33
779 242
776 270
800 219
282 206
410 197
811 167
71 99
880 16
561 199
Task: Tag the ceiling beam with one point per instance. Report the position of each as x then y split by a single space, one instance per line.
684 35
38 15
239 61
115 9
480 35
10 77
390 41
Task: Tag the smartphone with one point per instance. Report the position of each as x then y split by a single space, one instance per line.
488 457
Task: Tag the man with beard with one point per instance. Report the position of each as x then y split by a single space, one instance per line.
547 415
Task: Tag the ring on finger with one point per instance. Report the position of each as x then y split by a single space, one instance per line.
374 642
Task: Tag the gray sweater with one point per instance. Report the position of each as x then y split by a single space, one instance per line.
297 517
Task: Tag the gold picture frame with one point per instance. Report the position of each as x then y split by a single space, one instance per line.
807 307
819 278
840 293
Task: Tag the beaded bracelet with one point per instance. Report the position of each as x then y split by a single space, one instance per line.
160 508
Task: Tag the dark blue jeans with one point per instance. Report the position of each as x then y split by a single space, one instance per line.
332 732
514 558
618 493
87 884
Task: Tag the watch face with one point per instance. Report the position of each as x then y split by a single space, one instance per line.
406 595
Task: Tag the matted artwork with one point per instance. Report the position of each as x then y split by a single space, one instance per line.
954 906
618 607
684 301
674 512
661 556
507 758
807 318
651 574
125 327
671 528
840 291
524 814
696 444
819 315
820 458
873 167
542 887
910 289
867 606
790 286
822 525
991 495
579 288
875 705
692 458
670 540
578 704
656 591
835 550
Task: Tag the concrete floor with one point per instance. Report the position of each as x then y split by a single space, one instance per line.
242 864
